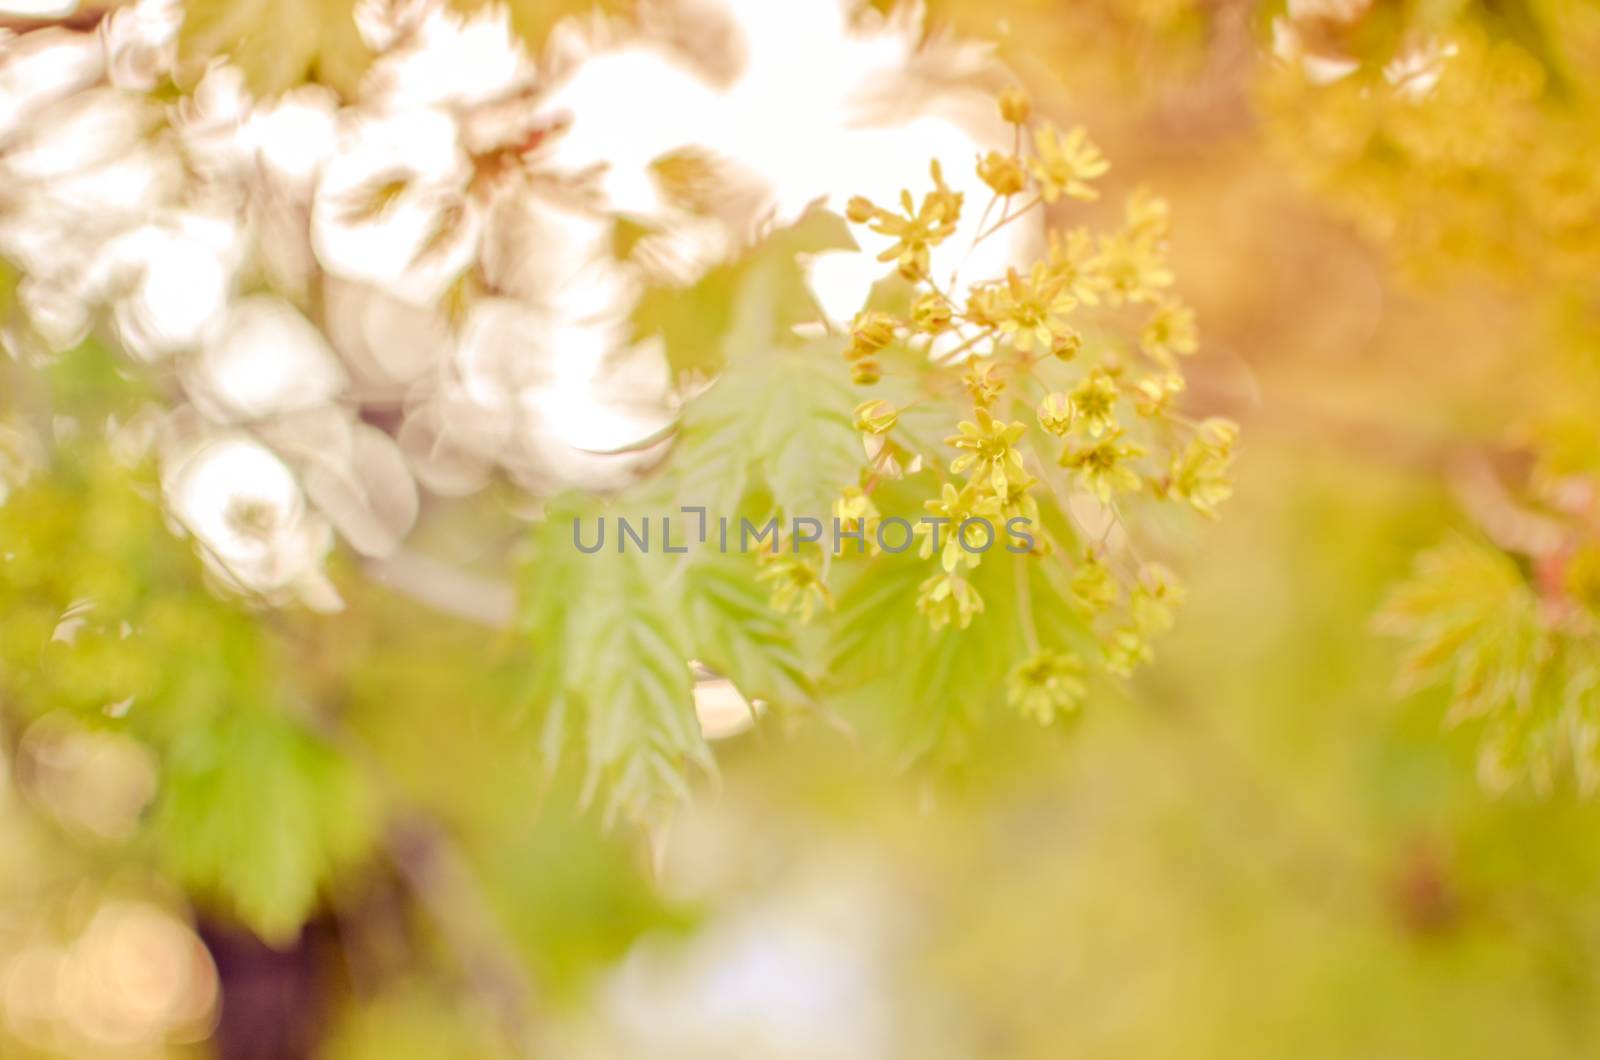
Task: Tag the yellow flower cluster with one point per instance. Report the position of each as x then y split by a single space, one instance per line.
1069 369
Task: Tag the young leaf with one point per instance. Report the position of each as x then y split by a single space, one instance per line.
781 420
736 632
261 814
611 647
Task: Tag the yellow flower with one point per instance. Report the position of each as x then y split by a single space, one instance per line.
1065 165
983 307
942 201
980 382
956 507
989 450
1127 649
1018 503
796 584
1003 173
1153 395
946 598
1200 476
859 210
1170 331
856 513
1032 310
1147 216
1102 466
1014 106
1154 598
1135 270
1055 414
1094 403
1073 259
1093 587
916 228
1046 684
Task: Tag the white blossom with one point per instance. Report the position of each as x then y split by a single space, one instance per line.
249 515
391 208
263 359
141 42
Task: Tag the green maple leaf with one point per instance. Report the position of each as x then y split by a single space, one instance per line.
610 648
262 814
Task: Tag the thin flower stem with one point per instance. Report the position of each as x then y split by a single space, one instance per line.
944 360
982 220
1005 219
1030 632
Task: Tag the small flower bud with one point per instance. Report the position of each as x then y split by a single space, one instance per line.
866 372
1067 346
875 417
859 209
873 331
1014 106
1055 414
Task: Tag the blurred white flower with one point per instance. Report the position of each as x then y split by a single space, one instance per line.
263 359
41 67
154 216
168 281
386 342
449 442
384 23
392 209
366 490
867 129
294 135
56 227
248 514
39 8
77 133
209 123
141 42
449 59
57 312
505 348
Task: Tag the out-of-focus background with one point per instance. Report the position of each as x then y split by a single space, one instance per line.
1386 216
